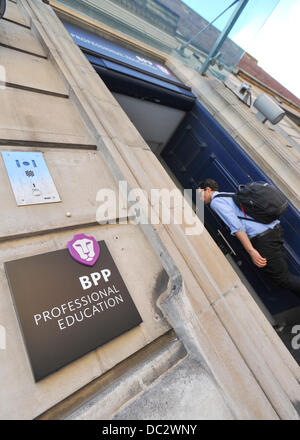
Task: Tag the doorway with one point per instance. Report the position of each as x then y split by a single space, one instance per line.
192 146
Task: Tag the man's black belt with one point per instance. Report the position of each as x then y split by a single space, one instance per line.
267 231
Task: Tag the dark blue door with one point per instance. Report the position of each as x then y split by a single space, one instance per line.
201 148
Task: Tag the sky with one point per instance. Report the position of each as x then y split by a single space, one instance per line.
267 29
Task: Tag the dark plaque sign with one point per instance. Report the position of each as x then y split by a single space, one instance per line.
67 308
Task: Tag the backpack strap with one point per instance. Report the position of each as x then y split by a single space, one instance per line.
224 195
231 195
249 219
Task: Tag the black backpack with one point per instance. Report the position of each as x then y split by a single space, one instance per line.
260 200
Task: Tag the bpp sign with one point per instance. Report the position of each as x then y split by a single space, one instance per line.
67 308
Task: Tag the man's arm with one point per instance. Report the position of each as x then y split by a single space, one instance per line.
257 259
225 212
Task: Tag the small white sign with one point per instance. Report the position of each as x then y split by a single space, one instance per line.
30 179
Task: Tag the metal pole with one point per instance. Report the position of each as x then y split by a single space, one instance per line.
231 22
208 24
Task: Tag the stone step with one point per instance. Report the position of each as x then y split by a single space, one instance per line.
185 392
106 395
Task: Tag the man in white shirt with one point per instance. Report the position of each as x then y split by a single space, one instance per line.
263 242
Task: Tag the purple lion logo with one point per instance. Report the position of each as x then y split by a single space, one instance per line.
84 249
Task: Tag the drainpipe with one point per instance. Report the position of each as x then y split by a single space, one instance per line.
231 22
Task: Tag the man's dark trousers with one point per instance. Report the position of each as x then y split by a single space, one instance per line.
270 246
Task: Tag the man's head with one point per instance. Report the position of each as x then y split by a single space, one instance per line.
206 188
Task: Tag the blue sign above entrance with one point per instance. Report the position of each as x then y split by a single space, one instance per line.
89 41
